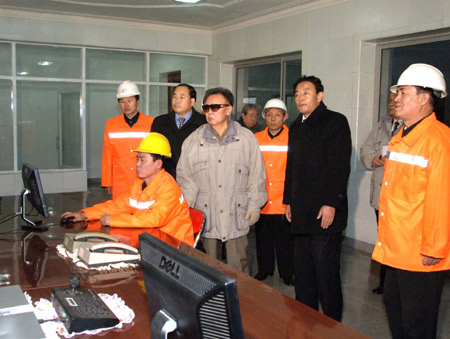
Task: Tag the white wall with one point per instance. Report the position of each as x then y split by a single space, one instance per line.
338 44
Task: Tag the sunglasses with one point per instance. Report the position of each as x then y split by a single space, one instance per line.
213 107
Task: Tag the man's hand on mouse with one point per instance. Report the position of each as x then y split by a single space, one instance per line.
76 216
105 220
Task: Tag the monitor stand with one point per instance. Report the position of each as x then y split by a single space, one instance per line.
30 226
162 324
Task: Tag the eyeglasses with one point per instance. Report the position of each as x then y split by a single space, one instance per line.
213 107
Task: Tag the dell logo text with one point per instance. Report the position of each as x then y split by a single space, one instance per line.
170 267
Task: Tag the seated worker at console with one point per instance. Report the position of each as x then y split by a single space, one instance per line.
154 199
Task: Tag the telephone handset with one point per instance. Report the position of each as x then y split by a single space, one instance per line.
101 254
113 248
72 241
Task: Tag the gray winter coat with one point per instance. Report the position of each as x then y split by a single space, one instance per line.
224 180
379 137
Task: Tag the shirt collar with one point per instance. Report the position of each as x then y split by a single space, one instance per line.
273 136
230 134
131 121
186 118
406 130
415 135
311 119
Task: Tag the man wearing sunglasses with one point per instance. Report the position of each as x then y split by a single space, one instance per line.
177 125
221 172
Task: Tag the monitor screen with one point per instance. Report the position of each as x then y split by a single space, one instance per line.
33 189
32 182
187 297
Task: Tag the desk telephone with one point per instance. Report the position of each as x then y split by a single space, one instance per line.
72 241
98 254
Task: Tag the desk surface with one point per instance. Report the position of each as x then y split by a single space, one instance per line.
31 260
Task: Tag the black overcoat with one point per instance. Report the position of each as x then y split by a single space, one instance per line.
166 125
317 170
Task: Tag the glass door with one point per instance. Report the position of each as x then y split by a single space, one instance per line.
258 82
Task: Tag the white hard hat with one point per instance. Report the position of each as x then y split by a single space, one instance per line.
275 103
127 89
422 75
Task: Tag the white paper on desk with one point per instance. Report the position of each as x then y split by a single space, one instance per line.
384 150
54 329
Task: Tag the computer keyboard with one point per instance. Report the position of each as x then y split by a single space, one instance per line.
82 309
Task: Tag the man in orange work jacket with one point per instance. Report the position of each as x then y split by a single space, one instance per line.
154 199
122 135
273 230
414 214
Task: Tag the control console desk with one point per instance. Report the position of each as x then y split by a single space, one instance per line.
31 260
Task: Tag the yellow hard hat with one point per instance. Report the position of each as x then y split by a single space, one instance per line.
155 143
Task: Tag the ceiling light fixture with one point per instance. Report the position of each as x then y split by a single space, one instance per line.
188 1
45 63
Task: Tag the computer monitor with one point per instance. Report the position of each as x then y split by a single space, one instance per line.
186 297
33 189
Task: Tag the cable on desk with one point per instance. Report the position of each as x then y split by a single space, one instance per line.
54 319
15 215
32 215
14 231
74 270
7 216
10 216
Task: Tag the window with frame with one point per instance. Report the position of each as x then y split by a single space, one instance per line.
259 81
49 102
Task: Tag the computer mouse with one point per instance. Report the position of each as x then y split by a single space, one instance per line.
67 220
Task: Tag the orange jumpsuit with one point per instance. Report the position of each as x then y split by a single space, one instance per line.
160 205
414 217
119 160
274 152
272 231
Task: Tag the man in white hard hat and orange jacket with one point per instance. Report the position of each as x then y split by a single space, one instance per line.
273 233
122 135
153 200
414 220
373 155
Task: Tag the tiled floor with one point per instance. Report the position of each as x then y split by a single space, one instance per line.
363 310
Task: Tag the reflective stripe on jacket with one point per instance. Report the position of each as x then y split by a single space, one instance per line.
274 153
414 205
119 160
161 205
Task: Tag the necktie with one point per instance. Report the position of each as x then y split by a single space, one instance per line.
181 122
394 130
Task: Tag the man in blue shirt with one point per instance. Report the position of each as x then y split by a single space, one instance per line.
177 125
